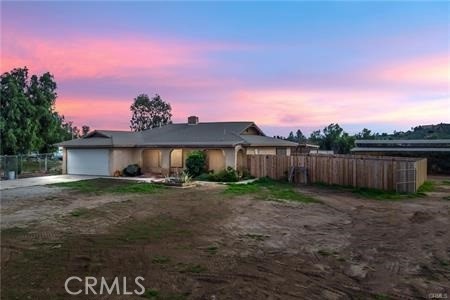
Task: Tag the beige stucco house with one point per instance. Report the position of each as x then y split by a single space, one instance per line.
163 150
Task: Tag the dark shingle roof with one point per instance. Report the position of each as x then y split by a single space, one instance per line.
261 140
220 134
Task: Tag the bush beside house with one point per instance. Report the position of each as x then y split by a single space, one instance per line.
196 163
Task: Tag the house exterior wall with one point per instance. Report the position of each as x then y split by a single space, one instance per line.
251 131
120 158
169 159
216 160
151 160
230 157
64 162
165 161
262 150
266 150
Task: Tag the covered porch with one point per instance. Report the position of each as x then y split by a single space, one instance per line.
166 161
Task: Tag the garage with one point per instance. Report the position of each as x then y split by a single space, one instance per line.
88 162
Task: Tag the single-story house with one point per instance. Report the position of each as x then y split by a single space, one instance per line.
163 150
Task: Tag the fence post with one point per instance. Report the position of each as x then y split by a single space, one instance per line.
45 163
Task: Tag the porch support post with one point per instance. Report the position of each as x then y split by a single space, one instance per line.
230 157
165 161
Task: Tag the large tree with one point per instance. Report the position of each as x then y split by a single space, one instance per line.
365 134
333 138
28 120
18 129
149 113
300 137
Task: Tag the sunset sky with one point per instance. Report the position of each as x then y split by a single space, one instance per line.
289 65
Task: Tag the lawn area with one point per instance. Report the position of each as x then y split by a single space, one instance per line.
270 190
103 185
381 195
237 241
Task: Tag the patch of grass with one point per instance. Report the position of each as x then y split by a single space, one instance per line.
192 268
324 252
14 231
137 188
80 212
151 229
116 186
160 259
444 263
381 297
271 190
384 195
427 186
151 294
38 265
445 182
85 186
212 249
369 193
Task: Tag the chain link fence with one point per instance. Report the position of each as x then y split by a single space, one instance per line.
22 166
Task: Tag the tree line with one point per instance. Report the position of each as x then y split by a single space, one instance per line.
28 119
333 137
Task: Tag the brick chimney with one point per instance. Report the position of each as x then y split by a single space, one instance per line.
193 120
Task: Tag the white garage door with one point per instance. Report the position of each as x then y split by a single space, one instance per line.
88 161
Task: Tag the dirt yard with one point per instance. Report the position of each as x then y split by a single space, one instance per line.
205 243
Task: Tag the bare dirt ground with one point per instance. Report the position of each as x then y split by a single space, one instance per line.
200 243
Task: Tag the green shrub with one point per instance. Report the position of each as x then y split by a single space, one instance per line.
227 175
196 163
204 177
427 186
245 174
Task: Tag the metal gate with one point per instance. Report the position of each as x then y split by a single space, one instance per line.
406 180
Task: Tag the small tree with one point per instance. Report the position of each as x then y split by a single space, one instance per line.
85 129
149 113
291 137
196 163
299 136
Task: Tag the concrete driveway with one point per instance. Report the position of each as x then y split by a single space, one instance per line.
42 180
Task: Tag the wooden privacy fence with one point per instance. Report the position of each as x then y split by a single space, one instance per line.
386 173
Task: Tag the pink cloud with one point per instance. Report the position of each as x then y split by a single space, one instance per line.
88 57
321 107
98 113
431 70
111 113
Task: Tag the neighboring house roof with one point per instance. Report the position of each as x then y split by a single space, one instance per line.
403 142
442 145
262 140
214 134
383 149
